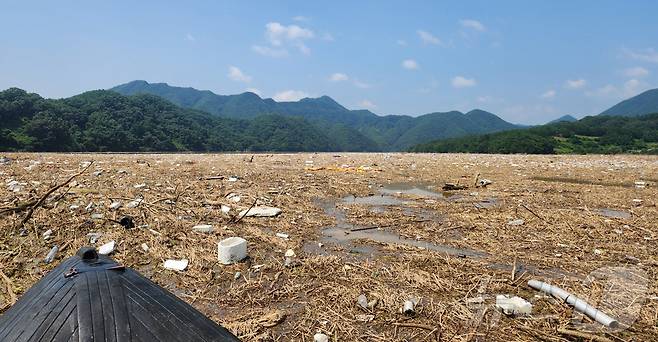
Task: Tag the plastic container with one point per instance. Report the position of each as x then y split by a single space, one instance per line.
232 250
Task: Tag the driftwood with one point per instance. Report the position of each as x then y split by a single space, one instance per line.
48 193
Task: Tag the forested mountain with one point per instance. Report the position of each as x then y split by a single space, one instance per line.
564 118
393 132
107 121
592 134
644 103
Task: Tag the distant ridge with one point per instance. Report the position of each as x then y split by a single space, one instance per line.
388 133
642 104
564 118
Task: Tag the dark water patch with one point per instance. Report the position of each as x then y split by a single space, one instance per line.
581 181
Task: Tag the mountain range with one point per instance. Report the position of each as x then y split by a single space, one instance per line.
373 132
141 116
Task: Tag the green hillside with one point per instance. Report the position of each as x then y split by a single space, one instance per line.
107 121
370 131
593 134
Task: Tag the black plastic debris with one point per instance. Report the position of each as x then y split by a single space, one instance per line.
90 297
127 222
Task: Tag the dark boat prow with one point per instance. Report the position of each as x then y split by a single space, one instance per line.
90 297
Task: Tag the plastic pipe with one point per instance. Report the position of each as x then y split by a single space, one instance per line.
577 303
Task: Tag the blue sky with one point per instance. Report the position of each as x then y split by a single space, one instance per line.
527 61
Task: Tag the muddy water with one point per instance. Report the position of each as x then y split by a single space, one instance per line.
416 189
613 213
344 233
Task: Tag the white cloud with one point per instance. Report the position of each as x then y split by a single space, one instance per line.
280 35
636 72
255 91
189 37
575 84
236 74
633 86
270 52
289 95
410 64
301 18
367 104
401 42
360 84
463 82
628 89
549 94
338 76
428 38
646 55
472 24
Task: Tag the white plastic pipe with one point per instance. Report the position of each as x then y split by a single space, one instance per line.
577 303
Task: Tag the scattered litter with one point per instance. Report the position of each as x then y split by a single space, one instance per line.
140 186
518 222
362 301
637 202
513 306
320 337
482 183
282 235
74 207
93 237
97 173
176 265
237 275
5 160
640 184
475 300
260 212
107 248
97 216
598 251
127 222
115 205
15 186
409 307
203 228
225 209
134 204
51 255
233 179
577 303
364 318
290 258
231 250
233 197
89 207
145 247
47 234
453 186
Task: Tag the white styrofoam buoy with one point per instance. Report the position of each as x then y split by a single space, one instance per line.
232 250
203 228
176 265
107 248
